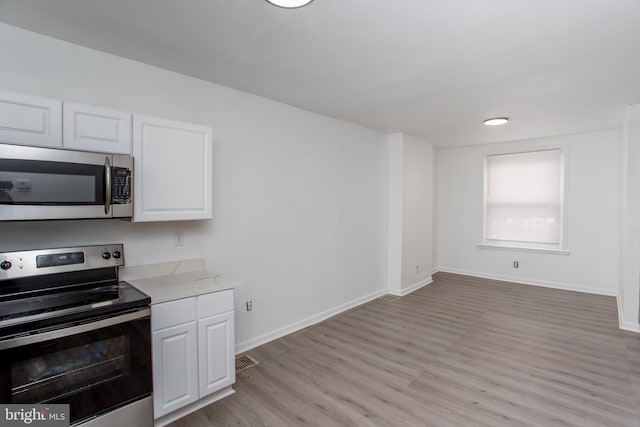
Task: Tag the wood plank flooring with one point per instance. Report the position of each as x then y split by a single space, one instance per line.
462 351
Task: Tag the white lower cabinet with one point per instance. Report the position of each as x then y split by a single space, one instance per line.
193 349
175 364
215 337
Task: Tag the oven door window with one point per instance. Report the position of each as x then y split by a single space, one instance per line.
34 182
54 375
94 371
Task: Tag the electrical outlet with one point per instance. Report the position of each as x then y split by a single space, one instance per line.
249 305
516 264
178 238
417 269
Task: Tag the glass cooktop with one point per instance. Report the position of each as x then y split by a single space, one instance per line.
85 302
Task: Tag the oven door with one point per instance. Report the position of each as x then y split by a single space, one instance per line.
94 367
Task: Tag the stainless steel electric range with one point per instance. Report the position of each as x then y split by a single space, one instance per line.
72 333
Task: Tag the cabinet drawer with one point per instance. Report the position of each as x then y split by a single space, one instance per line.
215 303
173 313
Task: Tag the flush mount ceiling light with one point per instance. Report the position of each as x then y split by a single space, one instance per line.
496 121
290 4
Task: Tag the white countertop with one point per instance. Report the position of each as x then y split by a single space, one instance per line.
175 280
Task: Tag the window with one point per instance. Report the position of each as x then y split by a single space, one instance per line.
524 199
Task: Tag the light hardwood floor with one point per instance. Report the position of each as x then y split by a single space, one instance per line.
462 351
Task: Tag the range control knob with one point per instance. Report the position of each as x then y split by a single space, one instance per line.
116 254
5 265
106 255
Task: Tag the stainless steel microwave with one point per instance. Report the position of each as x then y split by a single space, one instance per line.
45 183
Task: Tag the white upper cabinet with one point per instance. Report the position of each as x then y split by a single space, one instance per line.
172 172
172 160
90 128
30 120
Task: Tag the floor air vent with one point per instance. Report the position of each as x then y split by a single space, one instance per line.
389 297
244 362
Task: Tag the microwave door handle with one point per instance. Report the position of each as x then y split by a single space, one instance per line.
107 185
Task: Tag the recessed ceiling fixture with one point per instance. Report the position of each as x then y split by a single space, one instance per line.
290 4
496 121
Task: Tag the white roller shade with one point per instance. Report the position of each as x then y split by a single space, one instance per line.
524 197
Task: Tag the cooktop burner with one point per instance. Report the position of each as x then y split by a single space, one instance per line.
56 301
46 287
42 306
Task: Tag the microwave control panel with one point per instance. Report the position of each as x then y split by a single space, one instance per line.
120 186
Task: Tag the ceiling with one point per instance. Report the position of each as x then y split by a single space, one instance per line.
434 69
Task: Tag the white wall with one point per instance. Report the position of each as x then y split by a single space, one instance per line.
299 199
593 216
410 213
630 259
417 250
395 211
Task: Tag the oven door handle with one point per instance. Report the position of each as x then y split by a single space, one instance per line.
73 330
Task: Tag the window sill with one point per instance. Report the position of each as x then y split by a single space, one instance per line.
518 248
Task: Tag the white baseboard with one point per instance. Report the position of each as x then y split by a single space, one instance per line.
544 284
412 288
631 326
312 320
620 312
627 326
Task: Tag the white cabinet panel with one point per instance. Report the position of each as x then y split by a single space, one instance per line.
194 359
215 303
91 128
30 120
216 349
172 170
173 313
175 358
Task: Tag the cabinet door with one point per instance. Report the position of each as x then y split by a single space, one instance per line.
216 353
175 376
98 129
30 120
172 173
